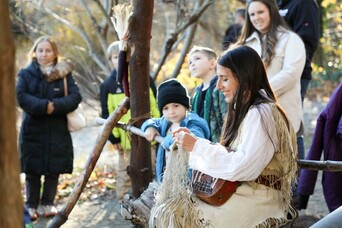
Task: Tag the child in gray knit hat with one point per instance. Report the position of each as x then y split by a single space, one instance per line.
173 103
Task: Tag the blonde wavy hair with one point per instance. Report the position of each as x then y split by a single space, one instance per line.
32 52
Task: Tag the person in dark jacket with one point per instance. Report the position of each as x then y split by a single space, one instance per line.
327 140
110 85
303 17
233 31
45 143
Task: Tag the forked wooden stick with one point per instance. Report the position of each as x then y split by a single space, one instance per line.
110 123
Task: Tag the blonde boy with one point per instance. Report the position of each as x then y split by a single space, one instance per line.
208 102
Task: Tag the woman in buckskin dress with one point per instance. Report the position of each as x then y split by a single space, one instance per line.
257 149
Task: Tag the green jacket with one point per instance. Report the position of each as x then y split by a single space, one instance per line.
121 135
215 107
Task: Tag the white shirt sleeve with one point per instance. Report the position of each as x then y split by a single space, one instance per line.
254 151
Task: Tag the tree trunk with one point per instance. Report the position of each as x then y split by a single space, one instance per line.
140 169
11 204
139 210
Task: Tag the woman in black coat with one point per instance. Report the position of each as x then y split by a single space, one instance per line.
45 142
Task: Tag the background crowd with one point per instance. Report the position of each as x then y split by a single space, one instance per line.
283 34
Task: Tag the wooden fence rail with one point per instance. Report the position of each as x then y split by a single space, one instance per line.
331 166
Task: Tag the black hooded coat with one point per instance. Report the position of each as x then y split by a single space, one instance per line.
45 143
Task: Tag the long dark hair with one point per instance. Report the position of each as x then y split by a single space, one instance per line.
276 24
254 88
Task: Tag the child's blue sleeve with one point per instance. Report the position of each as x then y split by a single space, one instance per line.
168 141
199 128
153 122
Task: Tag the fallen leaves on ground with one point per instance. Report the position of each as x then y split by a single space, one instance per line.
101 181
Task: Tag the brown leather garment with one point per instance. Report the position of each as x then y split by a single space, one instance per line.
269 181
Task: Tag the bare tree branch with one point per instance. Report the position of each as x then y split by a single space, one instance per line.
172 37
107 11
185 49
27 25
190 33
194 17
207 27
93 157
181 12
84 36
98 29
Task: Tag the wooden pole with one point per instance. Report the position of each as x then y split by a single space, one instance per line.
329 166
63 214
130 128
140 26
11 202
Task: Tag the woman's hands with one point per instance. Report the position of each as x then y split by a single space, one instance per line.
150 133
184 139
50 108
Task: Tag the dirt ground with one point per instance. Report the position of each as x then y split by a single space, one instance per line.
104 210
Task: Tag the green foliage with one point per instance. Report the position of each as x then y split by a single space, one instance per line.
327 62
325 80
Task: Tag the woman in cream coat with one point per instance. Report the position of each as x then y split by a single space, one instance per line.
282 52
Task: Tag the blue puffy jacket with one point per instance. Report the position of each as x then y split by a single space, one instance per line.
197 125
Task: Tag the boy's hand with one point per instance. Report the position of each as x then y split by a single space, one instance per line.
150 133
